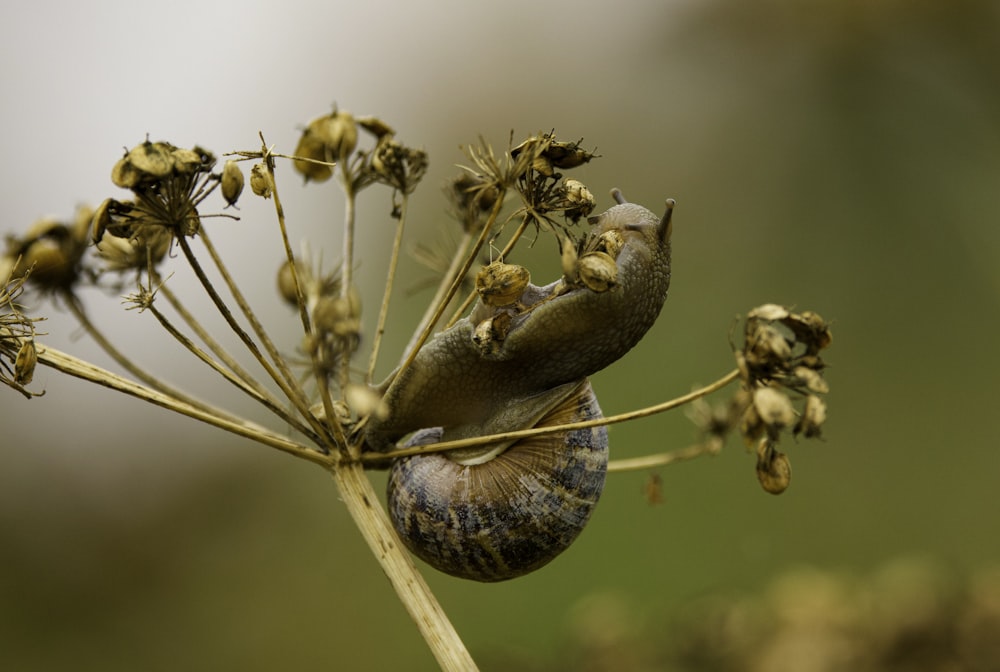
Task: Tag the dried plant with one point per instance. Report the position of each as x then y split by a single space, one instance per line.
339 417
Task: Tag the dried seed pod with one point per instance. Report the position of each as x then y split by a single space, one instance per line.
260 181
774 471
330 138
24 363
598 271
581 200
232 182
774 407
151 159
286 281
500 284
489 334
813 417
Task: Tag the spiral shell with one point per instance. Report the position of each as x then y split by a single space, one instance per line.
511 514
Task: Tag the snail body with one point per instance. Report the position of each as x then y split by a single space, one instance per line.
510 367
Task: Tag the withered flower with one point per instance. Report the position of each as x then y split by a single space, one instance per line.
52 251
780 367
327 139
168 183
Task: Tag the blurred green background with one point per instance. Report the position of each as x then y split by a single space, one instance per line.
842 157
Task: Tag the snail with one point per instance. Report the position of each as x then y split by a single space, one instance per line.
497 512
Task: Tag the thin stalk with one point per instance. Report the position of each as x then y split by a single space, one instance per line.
347 270
79 368
121 358
710 447
363 505
214 346
442 305
383 312
461 254
339 436
349 210
540 431
232 377
292 392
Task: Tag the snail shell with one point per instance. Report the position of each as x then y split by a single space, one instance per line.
504 510
508 516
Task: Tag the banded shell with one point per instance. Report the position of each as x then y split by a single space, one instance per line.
511 514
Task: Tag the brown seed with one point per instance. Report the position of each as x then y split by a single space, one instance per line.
774 471
500 284
598 271
24 363
260 181
232 182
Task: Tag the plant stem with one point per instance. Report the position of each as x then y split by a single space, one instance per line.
709 447
79 368
123 360
539 431
442 304
383 312
363 505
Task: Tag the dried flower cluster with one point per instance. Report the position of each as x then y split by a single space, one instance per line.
18 352
51 251
128 239
779 367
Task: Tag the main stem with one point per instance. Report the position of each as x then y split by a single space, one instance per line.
363 505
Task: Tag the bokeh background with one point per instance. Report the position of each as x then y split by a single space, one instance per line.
839 156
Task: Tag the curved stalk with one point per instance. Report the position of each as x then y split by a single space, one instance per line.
380 458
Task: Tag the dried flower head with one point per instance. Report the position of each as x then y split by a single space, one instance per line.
327 139
168 184
18 351
52 251
780 365
397 165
